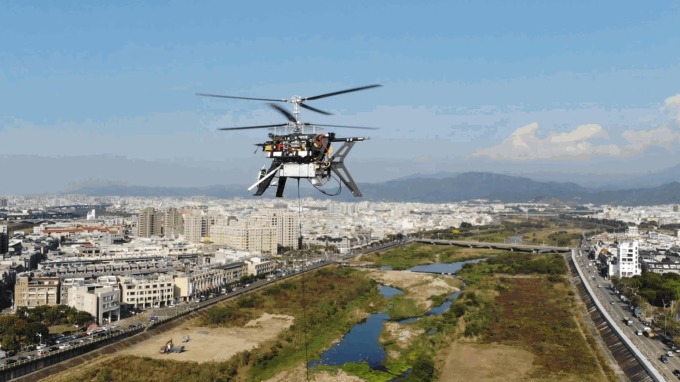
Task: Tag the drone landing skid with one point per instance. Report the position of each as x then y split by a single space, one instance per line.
339 169
281 186
265 180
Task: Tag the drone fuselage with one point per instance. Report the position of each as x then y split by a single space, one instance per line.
307 156
301 155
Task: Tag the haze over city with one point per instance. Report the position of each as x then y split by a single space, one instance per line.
105 93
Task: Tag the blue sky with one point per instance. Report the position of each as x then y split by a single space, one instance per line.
517 87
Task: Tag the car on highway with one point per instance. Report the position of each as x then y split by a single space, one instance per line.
664 358
676 373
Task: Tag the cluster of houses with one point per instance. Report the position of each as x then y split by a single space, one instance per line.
628 254
94 270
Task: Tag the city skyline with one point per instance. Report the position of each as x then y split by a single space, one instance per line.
521 88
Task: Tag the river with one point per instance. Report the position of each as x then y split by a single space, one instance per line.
361 343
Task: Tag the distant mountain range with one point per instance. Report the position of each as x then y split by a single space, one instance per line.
436 189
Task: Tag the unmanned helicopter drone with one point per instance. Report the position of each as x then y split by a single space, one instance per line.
302 155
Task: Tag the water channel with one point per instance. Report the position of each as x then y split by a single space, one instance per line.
361 343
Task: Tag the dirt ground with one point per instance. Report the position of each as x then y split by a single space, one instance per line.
419 286
486 363
213 344
300 374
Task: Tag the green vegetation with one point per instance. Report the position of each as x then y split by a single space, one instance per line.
16 332
657 289
402 307
363 371
22 328
54 315
129 368
418 254
535 313
662 291
524 263
422 370
546 326
560 232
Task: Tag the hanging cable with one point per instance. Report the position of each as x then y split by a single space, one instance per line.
318 187
304 302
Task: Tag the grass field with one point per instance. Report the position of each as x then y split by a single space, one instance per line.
532 231
524 302
418 254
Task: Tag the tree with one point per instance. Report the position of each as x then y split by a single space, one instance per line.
423 370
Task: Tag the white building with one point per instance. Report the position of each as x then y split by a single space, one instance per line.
627 260
211 280
144 293
103 303
257 266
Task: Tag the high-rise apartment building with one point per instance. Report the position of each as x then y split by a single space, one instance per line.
197 224
193 227
4 240
286 224
174 224
150 223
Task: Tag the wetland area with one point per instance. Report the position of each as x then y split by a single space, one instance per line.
516 318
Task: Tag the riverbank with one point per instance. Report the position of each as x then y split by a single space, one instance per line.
418 286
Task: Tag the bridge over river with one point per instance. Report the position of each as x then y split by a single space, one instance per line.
505 246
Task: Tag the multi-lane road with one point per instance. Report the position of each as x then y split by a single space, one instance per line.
619 310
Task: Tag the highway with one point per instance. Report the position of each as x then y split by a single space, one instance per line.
619 310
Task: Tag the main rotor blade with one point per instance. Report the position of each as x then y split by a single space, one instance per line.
341 92
283 111
343 126
253 127
254 99
314 109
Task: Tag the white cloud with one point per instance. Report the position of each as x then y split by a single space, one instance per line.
672 106
639 140
525 144
581 133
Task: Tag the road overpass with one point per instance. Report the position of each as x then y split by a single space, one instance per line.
515 247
